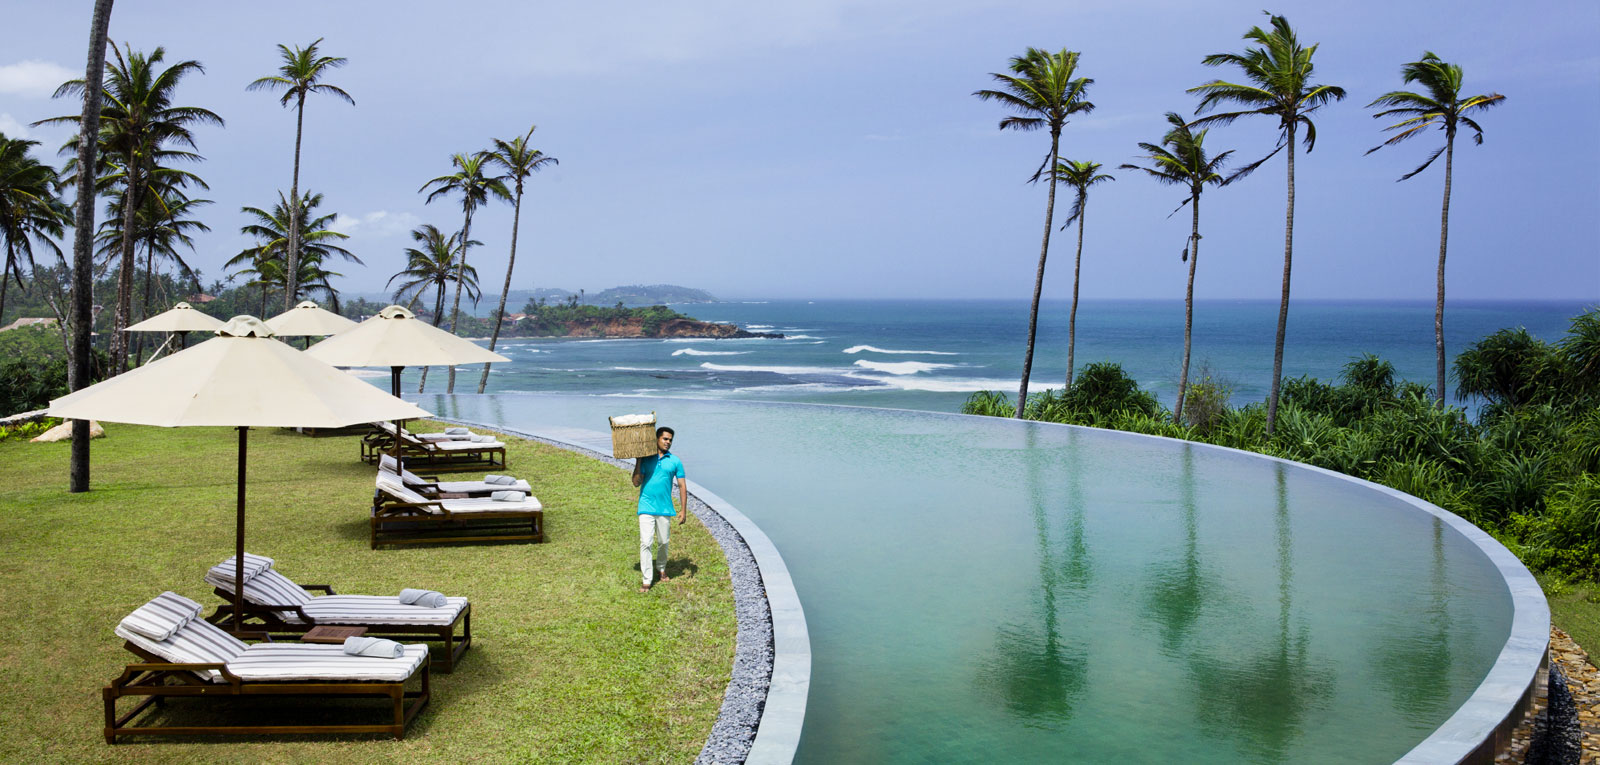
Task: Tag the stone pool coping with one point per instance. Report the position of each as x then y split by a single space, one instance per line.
782 709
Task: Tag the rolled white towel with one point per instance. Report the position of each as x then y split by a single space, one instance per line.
377 648
481 439
508 496
425 598
500 480
457 432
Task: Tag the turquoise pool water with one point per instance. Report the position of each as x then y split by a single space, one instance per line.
983 590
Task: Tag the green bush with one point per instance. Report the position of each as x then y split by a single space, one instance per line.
27 430
1206 400
990 403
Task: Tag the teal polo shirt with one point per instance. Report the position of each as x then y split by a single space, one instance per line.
655 493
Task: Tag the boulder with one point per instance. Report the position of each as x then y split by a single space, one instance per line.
63 432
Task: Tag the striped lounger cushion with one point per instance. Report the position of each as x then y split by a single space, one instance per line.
458 446
161 617
197 641
386 464
486 505
268 588
381 609
299 661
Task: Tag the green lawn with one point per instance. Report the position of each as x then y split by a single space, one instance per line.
1575 608
569 662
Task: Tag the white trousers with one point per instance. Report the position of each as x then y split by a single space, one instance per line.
652 528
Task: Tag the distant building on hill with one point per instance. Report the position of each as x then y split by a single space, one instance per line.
29 322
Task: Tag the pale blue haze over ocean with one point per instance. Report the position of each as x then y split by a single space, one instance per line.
932 354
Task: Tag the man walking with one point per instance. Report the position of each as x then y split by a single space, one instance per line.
655 476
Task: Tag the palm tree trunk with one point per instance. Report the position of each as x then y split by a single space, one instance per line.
438 313
125 271
1283 303
1038 278
1444 235
83 236
500 313
292 280
144 312
461 272
1077 264
1188 306
5 278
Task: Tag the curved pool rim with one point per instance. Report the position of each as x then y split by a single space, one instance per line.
1480 725
783 712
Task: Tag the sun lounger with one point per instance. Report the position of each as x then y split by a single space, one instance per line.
432 487
443 455
275 604
403 516
186 656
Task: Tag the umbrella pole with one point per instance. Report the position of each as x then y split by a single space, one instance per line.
394 387
238 555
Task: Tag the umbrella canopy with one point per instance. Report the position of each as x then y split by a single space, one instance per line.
241 378
307 318
397 338
182 318
236 379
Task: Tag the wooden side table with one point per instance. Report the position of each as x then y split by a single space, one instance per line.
330 634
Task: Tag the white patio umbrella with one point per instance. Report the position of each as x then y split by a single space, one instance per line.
307 319
397 339
241 378
181 318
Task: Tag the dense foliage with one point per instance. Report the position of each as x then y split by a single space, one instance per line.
1527 468
33 368
544 320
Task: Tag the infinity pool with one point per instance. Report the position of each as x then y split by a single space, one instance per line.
988 590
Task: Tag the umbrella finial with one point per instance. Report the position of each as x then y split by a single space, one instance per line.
245 326
184 306
306 304
396 312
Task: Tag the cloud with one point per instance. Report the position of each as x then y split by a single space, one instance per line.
11 128
34 78
377 223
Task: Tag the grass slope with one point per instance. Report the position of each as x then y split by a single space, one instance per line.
569 663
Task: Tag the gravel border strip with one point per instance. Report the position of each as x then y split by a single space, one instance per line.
742 704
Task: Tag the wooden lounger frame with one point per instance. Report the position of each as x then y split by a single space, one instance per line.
404 523
266 619
158 680
418 453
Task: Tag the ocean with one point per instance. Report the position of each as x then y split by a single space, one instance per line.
933 354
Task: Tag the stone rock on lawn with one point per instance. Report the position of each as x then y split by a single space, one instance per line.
63 432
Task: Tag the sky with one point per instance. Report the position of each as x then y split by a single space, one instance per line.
833 149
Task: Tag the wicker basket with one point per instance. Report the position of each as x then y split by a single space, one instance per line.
631 441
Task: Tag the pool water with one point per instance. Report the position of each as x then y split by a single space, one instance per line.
990 590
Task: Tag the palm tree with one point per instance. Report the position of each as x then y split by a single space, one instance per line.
475 189
519 161
1181 161
82 246
162 223
300 74
1279 72
1444 108
29 209
432 263
1042 90
271 230
137 125
1079 175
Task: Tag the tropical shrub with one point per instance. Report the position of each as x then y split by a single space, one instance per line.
989 403
1206 401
